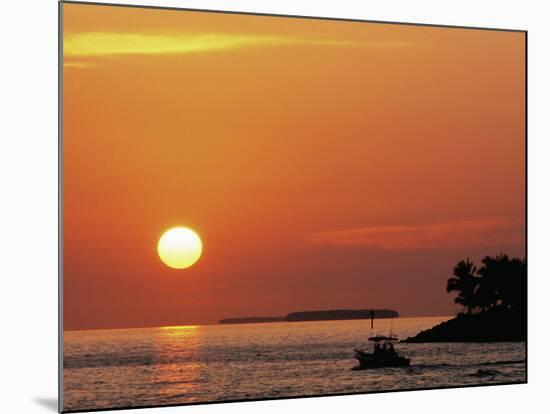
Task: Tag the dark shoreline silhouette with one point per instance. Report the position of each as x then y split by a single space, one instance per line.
498 325
321 315
494 298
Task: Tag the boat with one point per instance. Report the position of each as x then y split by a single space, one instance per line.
383 354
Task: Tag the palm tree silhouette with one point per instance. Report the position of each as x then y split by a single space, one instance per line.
464 281
516 286
502 282
489 291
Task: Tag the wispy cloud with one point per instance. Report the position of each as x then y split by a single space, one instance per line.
456 234
79 65
105 43
111 43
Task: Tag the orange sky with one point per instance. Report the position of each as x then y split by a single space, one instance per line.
324 164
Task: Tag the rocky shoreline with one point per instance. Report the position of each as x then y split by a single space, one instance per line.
489 326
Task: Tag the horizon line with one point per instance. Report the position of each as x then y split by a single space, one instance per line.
190 325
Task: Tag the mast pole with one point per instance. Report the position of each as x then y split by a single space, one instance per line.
372 318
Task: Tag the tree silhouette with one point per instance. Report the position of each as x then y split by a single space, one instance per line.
464 281
517 288
500 283
489 291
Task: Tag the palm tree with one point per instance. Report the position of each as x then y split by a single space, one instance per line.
464 281
517 286
492 281
502 282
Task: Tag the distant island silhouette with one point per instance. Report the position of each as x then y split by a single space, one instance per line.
494 298
319 315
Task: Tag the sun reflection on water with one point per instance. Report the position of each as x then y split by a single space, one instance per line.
177 372
182 331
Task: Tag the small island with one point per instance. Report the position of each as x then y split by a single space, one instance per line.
319 315
494 298
341 314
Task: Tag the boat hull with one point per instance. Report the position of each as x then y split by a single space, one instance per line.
367 361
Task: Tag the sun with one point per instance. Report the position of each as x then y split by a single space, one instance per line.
179 247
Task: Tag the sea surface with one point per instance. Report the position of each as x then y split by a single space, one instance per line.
190 364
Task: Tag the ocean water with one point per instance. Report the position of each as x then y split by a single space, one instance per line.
190 364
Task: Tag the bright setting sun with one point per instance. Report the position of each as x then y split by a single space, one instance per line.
180 247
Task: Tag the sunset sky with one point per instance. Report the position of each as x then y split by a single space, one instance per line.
324 164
